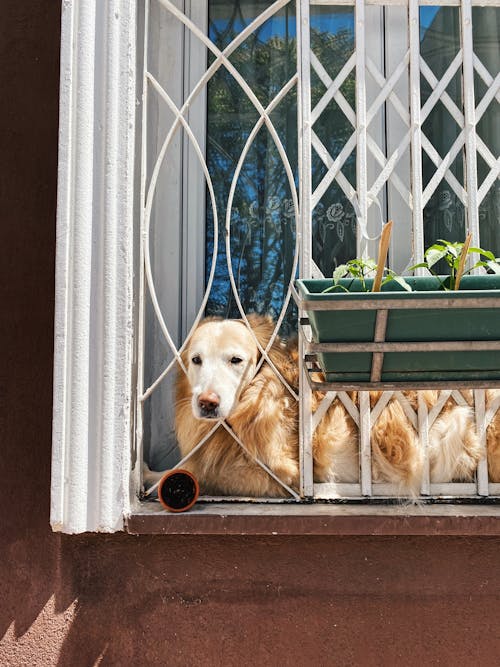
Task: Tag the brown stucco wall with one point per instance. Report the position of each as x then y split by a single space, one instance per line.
123 600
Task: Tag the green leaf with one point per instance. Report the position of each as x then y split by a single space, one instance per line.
422 265
494 267
434 255
456 245
401 281
340 272
355 272
370 264
332 288
437 246
486 253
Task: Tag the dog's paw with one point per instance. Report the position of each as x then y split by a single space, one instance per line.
149 479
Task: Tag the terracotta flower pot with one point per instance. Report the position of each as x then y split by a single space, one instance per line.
178 490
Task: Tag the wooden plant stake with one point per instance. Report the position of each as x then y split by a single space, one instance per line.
463 259
383 249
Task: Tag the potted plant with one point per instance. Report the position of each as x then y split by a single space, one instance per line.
414 331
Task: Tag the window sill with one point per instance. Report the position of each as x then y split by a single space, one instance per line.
317 519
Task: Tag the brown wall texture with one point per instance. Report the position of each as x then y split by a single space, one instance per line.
123 600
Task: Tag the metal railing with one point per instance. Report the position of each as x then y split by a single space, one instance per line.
305 198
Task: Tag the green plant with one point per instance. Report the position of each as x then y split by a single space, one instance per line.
452 253
361 269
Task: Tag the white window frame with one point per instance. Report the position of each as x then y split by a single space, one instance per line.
95 470
94 318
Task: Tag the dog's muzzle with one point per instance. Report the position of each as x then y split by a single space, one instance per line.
208 405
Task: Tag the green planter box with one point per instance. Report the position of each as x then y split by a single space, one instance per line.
427 335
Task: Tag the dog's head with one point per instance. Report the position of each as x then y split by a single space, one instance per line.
221 359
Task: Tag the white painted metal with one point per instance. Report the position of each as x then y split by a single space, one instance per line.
412 116
416 135
365 458
333 92
493 91
470 125
141 314
439 94
181 120
221 59
194 189
361 123
377 90
386 94
423 432
482 468
147 223
304 120
404 3
94 273
265 118
362 200
336 491
399 194
333 87
72 307
334 168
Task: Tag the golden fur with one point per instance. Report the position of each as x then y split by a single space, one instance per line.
493 437
264 417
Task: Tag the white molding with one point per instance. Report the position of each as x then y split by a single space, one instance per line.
94 267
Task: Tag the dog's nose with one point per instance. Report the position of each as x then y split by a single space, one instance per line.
208 402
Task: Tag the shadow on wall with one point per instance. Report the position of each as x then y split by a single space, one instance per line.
120 600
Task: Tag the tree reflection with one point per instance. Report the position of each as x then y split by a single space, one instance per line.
262 237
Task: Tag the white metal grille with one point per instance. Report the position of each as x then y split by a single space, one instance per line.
383 165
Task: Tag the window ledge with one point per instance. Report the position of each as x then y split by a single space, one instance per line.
317 519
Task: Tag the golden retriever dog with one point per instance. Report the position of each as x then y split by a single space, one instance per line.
232 409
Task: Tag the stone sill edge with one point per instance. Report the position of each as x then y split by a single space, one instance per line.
293 520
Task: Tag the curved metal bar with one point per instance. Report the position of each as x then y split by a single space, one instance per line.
264 118
257 460
221 58
264 352
222 423
147 258
188 456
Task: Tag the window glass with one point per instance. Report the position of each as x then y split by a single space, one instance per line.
333 218
486 37
444 214
262 216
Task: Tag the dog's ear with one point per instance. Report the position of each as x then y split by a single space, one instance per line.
262 326
283 355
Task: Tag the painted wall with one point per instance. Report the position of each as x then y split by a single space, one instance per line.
120 600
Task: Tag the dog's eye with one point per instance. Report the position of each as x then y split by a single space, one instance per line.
236 360
196 360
